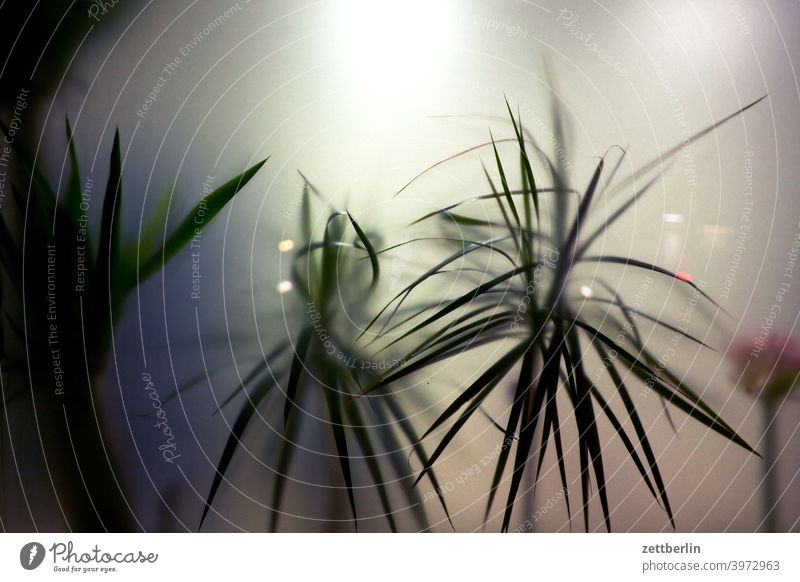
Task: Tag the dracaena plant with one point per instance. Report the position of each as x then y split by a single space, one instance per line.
319 367
64 280
527 304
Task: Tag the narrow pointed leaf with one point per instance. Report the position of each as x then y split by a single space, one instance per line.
198 219
297 369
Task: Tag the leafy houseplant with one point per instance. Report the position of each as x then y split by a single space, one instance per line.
533 304
533 296
63 287
528 301
320 367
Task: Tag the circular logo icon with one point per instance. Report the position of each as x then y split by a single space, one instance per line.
31 555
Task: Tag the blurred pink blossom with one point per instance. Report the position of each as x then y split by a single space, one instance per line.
769 367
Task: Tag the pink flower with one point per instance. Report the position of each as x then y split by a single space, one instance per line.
768 366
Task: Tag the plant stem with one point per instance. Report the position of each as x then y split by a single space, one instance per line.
770 466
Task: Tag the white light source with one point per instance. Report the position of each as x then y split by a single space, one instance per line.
673 218
285 245
586 291
285 286
391 45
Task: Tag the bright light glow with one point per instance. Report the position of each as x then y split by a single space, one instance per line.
586 291
394 46
285 245
673 218
285 286
684 276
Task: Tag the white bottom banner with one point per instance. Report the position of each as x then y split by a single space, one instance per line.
389 557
